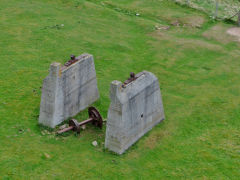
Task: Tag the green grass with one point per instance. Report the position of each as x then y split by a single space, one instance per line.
198 69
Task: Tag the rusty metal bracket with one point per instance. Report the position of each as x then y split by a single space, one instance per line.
71 61
132 78
94 117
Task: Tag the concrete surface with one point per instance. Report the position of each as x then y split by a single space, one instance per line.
68 90
134 110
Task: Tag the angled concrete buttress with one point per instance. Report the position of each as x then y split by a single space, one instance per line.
136 107
67 90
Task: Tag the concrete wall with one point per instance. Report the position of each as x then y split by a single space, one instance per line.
68 90
133 111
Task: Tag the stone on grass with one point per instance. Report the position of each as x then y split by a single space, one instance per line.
83 127
47 156
94 143
63 126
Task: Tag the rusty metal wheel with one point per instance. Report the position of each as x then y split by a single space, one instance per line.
74 123
95 115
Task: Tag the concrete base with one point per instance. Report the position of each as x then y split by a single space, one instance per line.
134 110
68 90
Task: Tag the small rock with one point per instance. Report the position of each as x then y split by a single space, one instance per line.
47 155
94 143
83 127
176 23
63 126
137 14
198 26
162 28
47 132
157 28
165 27
62 25
20 130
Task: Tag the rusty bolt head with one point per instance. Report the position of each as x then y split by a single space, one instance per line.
72 57
132 75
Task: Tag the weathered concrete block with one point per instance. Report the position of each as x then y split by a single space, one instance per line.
135 108
68 90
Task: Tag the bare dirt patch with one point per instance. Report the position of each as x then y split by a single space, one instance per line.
194 21
218 33
234 32
184 43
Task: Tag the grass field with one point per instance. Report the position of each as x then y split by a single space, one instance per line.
197 65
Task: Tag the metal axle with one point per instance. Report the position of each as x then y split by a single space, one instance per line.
94 117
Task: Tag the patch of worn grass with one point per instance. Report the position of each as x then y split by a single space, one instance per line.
219 33
199 79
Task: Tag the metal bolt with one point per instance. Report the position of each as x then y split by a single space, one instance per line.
72 57
132 75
